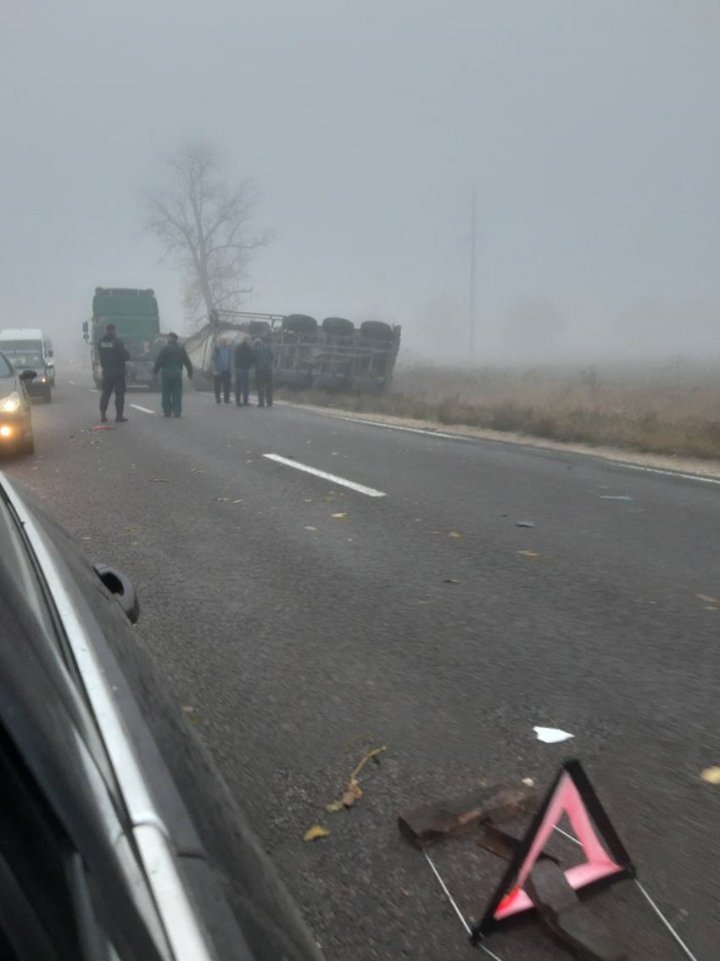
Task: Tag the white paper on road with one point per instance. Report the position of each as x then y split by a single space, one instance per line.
552 735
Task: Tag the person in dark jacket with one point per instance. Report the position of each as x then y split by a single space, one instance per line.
113 356
244 359
263 373
222 368
170 362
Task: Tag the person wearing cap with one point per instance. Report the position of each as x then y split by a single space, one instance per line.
113 357
263 372
170 362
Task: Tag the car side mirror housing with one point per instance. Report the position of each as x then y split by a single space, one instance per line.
122 589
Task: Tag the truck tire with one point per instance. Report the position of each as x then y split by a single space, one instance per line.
300 323
377 329
339 326
258 328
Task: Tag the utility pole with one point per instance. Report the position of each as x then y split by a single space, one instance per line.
473 277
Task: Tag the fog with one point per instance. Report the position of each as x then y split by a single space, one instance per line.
587 131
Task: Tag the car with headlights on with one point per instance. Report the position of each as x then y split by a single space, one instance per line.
40 385
16 433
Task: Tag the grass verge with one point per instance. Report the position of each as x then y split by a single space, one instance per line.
658 418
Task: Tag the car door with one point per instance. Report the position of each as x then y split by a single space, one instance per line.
193 872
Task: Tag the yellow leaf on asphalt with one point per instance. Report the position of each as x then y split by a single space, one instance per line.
313 833
456 535
711 775
712 601
532 554
340 516
352 793
334 807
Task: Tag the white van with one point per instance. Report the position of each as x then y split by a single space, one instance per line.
29 340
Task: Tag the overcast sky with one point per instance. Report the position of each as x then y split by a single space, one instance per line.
588 128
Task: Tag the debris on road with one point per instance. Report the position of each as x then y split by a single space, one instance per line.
353 792
450 580
190 713
437 821
456 535
528 553
525 524
711 775
315 832
340 516
567 918
552 735
308 528
159 480
616 497
708 601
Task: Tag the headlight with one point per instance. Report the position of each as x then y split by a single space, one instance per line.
11 403
43 379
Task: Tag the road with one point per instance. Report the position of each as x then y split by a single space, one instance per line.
301 622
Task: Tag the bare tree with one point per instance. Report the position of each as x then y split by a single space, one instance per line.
205 226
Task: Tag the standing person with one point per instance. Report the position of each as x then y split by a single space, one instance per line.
244 359
222 363
171 360
113 356
263 372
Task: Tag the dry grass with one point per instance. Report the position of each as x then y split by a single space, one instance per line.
664 412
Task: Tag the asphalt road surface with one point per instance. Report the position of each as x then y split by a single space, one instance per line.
301 622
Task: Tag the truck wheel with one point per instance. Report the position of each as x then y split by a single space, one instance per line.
376 329
301 323
338 325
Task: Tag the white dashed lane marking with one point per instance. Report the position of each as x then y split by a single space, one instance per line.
333 478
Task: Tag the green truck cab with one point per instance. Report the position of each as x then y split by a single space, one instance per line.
137 318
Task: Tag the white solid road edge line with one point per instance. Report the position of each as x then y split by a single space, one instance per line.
145 410
342 481
469 438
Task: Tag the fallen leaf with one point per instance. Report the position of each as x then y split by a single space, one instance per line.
406 892
456 535
711 775
525 524
311 528
528 781
533 554
711 601
450 580
339 516
353 792
315 832
238 500
551 735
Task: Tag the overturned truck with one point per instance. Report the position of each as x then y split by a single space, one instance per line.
332 355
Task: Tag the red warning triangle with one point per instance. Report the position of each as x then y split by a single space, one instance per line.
605 855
